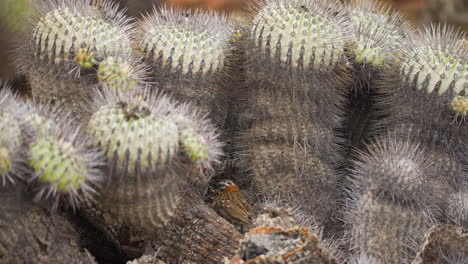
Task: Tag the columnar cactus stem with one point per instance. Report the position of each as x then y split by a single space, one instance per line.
291 104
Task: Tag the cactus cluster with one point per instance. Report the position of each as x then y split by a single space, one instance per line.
127 121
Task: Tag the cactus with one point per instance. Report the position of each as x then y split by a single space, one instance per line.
378 32
290 105
64 168
188 55
282 29
11 143
64 43
400 172
417 102
388 232
117 73
142 136
436 61
457 211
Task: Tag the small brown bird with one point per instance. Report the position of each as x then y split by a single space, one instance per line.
232 205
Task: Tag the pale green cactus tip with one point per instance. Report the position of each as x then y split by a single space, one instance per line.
79 33
378 31
117 74
195 145
459 105
133 135
195 44
436 60
309 36
58 164
63 172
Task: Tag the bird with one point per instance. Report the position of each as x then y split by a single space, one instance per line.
231 204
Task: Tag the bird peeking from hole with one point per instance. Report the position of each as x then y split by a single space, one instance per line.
231 204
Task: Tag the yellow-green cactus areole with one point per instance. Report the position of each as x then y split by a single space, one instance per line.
301 31
459 105
195 44
436 60
117 73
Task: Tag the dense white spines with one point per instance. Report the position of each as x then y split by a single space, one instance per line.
398 171
191 43
11 144
300 34
436 60
457 211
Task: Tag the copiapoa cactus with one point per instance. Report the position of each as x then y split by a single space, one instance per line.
150 142
64 168
398 171
386 231
290 104
65 41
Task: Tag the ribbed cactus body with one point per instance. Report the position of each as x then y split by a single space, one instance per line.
150 142
65 43
11 143
187 53
290 108
386 231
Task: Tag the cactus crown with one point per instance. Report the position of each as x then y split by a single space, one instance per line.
65 168
136 133
377 32
77 33
436 60
190 42
305 34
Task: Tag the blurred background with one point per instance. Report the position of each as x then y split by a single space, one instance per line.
12 12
